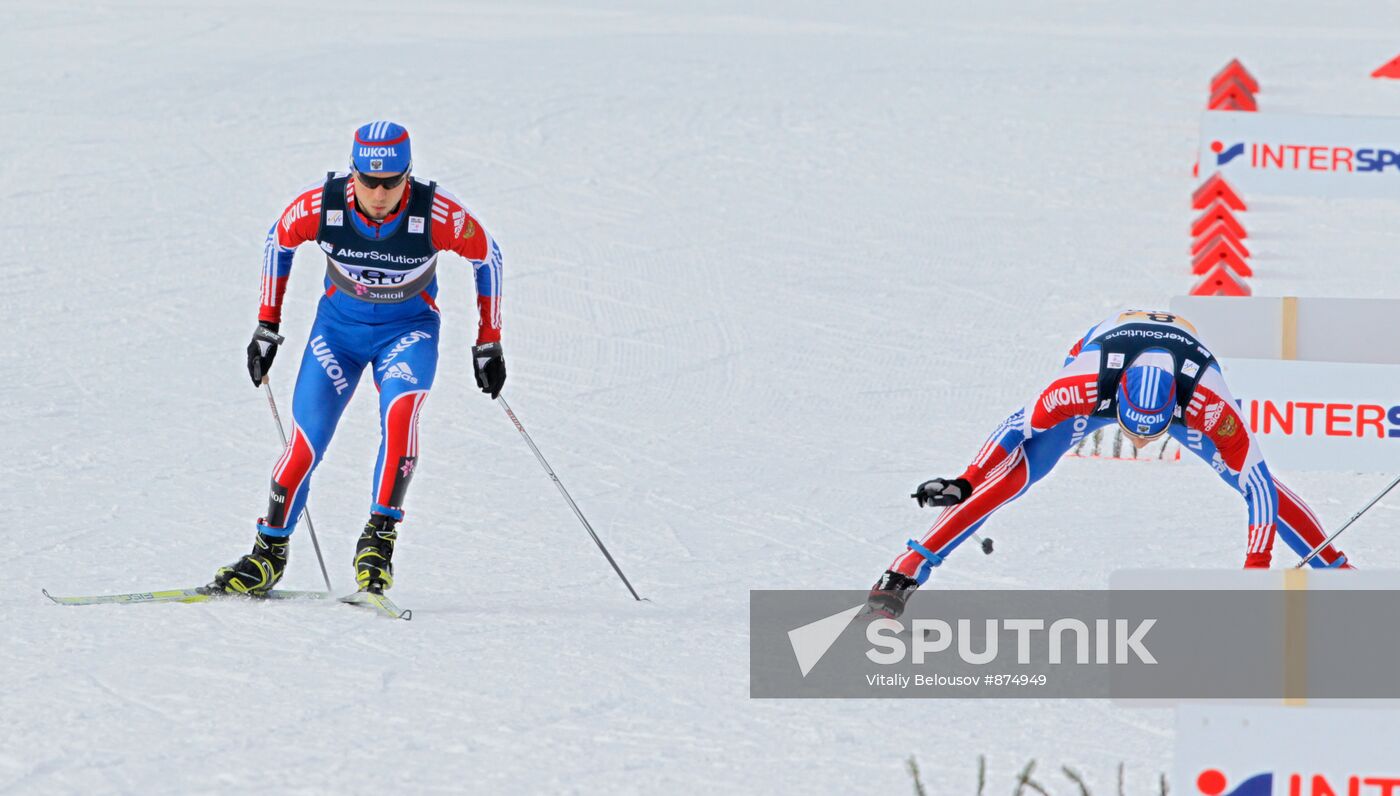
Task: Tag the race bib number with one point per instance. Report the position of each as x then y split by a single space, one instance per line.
1152 316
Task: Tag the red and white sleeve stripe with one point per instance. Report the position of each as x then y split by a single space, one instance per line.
300 222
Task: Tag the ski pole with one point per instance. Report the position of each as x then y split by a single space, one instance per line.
305 512
1354 518
565 493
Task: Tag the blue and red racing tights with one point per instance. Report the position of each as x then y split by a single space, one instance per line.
402 351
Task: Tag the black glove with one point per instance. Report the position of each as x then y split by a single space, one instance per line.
942 492
490 365
263 350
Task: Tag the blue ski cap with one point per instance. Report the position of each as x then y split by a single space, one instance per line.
381 146
1147 394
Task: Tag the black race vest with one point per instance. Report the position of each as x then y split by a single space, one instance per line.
1120 346
380 271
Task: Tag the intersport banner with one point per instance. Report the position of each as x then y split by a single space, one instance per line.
1320 415
1291 154
1231 750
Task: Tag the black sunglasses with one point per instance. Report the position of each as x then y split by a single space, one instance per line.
381 182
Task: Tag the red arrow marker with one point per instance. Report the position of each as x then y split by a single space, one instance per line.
1217 213
1391 69
1217 253
1220 281
1216 189
1232 91
1208 242
1236 70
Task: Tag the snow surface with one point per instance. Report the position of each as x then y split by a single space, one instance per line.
767 266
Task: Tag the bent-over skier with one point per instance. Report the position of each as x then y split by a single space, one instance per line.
1148 372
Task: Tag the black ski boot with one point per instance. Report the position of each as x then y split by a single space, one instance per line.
374 568
257 572
887 599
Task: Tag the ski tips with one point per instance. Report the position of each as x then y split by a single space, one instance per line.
378 603
197 594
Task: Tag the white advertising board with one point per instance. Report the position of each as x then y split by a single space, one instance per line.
1320 415
1274 153
1232 326
1324 329
1232 750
